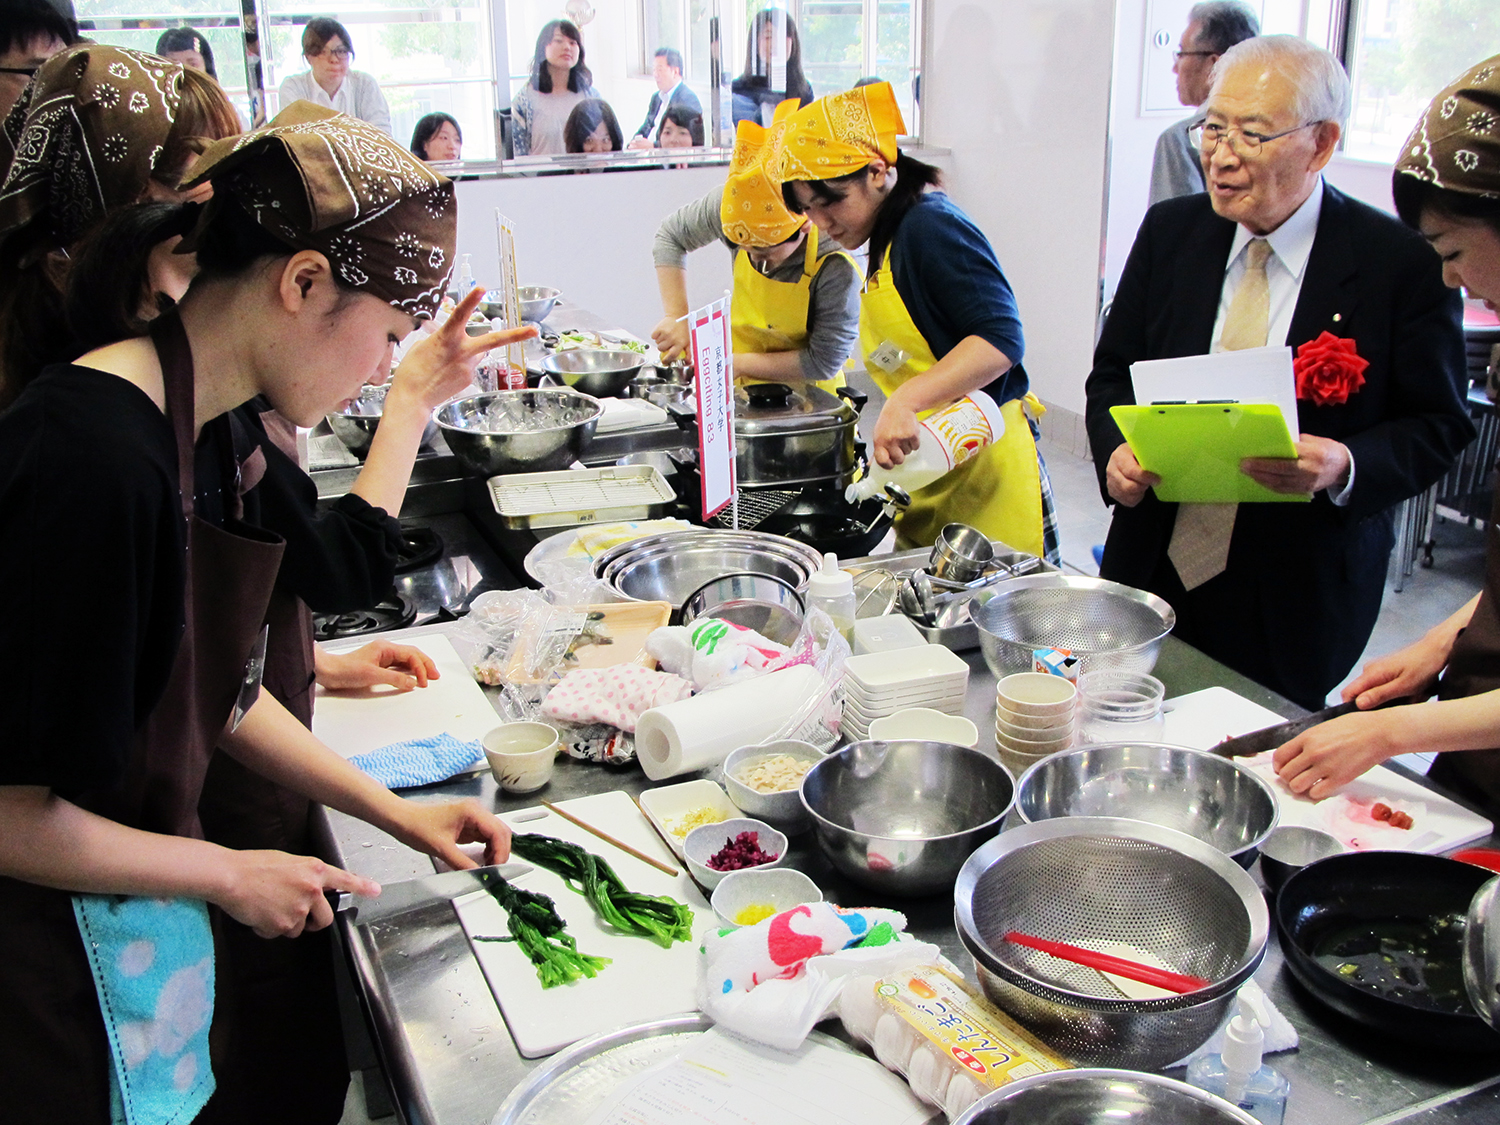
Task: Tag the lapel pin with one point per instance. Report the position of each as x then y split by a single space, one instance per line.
1337 317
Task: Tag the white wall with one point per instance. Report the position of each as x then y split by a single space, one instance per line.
1019 91
590 236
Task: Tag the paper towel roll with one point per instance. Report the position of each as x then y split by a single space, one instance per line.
693 734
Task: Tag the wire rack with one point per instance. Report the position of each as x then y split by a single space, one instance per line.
575 496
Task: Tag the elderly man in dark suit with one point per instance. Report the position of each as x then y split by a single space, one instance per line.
666 69
1286 593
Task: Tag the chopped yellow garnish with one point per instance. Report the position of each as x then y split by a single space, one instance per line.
682 825
753 913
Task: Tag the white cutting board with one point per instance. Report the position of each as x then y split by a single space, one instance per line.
356 722
644 981
1205 718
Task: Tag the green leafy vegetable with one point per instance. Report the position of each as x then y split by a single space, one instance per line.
663 920
539 931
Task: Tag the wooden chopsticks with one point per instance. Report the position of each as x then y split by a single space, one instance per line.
608 839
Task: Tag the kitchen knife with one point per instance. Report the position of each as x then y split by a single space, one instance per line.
409 894
1268 738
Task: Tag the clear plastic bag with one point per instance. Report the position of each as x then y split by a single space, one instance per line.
520 638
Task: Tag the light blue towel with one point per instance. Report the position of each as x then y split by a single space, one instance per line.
422 761
153 966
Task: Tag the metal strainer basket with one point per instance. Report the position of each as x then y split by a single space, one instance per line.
1098 882
1107 626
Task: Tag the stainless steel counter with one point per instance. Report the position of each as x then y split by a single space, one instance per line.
451 1061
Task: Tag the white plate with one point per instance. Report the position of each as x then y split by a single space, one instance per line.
905 667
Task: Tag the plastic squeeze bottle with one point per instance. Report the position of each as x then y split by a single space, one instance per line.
1238 1076
832 591
948 438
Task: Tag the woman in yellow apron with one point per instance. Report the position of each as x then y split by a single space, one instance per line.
937 317
795 308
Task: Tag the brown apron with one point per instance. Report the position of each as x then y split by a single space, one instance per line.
289 1063
54 1056
1473 668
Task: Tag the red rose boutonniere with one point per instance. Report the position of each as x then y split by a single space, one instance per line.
1328 370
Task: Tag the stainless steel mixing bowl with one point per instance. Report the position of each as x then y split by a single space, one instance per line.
1070 1097
671 566
1107 626
902 817
355 426
537 302
603 374
470 431
1098 882
1212 798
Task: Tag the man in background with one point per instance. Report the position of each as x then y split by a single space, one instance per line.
31 32
671 90
1213 27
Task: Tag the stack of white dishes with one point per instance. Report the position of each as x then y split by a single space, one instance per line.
878 684
1034 717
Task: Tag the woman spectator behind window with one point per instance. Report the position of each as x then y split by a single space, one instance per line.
592 127
187 46
437 137
559 81
680 128
330 82
754 98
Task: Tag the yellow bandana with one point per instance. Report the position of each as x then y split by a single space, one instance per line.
752 212
838 134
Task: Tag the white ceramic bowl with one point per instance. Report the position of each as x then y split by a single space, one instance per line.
1034 732
1052 745
781 810
925 724
781 887
1037 693
1032 722
707 840
521 755
1015 761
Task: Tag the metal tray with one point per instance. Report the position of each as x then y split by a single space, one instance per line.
575 496
954 629
572 1084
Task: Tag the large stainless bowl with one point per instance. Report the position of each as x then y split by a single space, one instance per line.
355 426
487 442
1107 626
1070 1097
1098 882
598 373
671 566
1206 796
537 302
902 817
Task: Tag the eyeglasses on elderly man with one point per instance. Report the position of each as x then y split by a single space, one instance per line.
1206 135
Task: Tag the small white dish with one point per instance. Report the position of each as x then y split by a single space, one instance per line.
905 667
664 805
781 888
781 809
927 725
704 842
521 755
1037 693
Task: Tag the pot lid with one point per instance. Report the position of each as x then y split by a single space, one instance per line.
778 408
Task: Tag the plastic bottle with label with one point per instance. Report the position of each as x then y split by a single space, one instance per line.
1238 1075
832 591
465 278
948 438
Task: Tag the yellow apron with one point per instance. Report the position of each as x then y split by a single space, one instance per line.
999 489
771 316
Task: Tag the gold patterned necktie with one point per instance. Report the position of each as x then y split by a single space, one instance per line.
1200 538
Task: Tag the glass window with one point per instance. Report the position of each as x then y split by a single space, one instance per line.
1403 52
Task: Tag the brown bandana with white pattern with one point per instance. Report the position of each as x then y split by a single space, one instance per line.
319 180
1456 145
84 139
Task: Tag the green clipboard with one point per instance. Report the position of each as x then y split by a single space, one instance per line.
1196 448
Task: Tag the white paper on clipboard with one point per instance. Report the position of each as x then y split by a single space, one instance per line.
708 328
1251 375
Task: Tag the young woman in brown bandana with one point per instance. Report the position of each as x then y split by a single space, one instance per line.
325 242
1447 185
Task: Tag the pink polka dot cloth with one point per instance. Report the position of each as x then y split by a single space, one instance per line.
615 696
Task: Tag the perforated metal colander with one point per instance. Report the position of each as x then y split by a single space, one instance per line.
1101 882
1106 625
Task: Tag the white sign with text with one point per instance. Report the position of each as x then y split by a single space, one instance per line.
714 364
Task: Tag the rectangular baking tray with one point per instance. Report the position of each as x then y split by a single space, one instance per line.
954 630
574 496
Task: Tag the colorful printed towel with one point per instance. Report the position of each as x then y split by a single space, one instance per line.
615 696
421 761
153 966
714 653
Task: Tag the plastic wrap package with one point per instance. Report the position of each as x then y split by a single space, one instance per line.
821 646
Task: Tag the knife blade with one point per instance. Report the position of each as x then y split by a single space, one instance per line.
1268 738
410 894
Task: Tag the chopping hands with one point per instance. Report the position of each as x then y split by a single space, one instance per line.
671 337
402 667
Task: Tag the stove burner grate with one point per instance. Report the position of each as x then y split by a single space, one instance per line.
394 612
419 547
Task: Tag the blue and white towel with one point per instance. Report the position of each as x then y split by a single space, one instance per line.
153 966
421 761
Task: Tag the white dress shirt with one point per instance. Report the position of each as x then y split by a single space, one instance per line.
661 112
1291 246
359 97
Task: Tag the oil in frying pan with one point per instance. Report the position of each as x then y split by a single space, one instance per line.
1417 961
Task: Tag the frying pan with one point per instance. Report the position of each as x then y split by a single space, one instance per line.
1371 887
